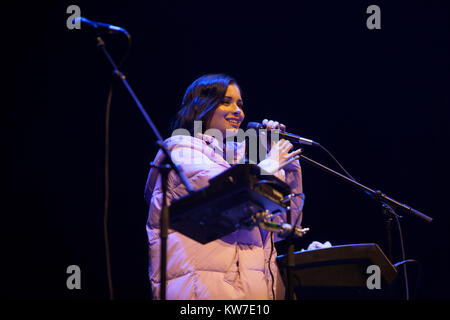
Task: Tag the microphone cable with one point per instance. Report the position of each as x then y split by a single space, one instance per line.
397 220
106 201
336 161
107 180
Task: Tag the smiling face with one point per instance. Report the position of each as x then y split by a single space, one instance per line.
229 114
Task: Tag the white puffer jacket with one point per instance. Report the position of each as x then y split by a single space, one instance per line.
233 267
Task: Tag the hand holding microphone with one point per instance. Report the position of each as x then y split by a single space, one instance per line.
280 151
273 125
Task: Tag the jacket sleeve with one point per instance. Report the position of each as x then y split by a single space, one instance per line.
293 177
197 167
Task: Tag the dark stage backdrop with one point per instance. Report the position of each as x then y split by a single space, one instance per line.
377 99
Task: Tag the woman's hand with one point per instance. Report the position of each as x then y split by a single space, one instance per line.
270 125
280 152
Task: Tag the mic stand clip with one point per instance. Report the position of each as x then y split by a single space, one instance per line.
284 230
287 231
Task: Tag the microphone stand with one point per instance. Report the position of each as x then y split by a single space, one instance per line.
388 204
287 231
290 260
376 194
164 169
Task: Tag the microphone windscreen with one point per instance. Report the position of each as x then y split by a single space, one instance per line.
255 125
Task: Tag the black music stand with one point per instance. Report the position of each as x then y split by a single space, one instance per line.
228 203
337 267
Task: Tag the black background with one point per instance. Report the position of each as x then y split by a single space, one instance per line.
377 99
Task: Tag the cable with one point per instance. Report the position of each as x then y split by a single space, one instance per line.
270 260
419 273
335 160
403 256
393 214
106 203
127 52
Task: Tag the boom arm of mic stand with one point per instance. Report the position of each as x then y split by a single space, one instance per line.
164 219
374 193
147 118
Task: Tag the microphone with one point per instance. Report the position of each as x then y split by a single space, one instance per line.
285 135
99 26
